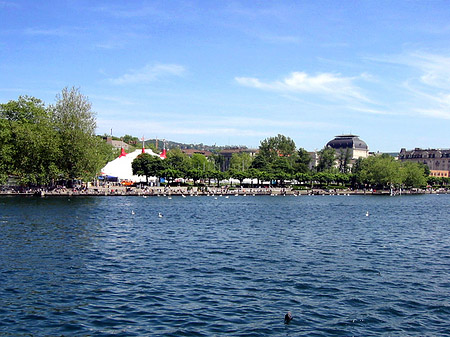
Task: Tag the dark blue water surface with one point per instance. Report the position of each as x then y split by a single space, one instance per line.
87 266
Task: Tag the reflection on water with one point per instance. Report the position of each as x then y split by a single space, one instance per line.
110 265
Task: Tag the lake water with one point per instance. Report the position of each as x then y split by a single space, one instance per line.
87 266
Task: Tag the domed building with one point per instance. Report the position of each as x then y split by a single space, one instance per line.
356 147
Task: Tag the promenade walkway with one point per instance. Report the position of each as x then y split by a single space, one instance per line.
197 191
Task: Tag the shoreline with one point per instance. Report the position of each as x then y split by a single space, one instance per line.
211 191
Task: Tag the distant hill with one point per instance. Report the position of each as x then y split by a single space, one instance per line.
159 144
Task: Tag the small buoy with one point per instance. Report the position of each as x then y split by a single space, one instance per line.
160 215
132 213
287 318
367 213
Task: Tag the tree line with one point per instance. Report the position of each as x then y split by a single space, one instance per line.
279 161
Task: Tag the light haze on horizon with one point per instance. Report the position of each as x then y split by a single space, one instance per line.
237 72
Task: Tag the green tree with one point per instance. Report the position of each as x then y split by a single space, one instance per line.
170 174
413 175
343 158
30 144
106 152
76 123
6 150
380 171
130 139
433 181
178 160
195 174
147 165
279 159
281 169
324 178
260 162
302 161
302 177
327 157
240 161
279 146
217 160
217 175
238 174
200 162
253 173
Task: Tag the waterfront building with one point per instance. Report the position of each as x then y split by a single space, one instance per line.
437 160
314 159
356 147
439 173
348 149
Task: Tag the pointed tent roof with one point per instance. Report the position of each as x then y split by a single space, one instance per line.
163 154
122 152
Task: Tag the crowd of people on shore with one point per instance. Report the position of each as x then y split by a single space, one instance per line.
119 190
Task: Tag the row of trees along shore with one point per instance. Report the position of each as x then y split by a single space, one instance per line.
44 145
279 161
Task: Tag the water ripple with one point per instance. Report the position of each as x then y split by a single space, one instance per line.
225 267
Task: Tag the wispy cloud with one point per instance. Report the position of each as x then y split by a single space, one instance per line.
179 129
436 105
9 4
331 86
114 99
279 39
372 111
435 68
127 12
428 84
149 73
60 31
111 44
219 126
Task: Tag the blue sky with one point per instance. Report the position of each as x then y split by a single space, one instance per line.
237 72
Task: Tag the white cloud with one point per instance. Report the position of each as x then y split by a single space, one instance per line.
437 105
127 12
435 68
111 44
8 4
435 113
113 99
61 31
175 129
332 86
219 126
149 73
429 83
373 111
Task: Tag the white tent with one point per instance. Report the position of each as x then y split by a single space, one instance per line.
121 167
